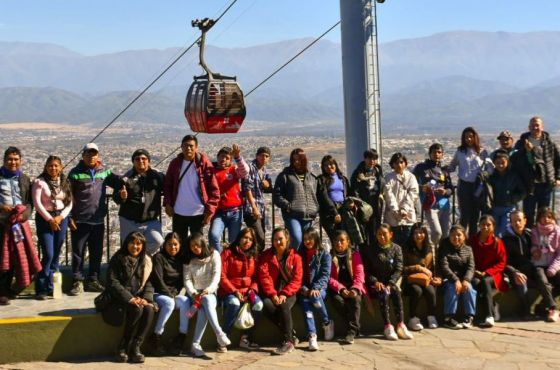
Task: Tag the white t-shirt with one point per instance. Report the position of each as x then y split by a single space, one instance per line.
188 202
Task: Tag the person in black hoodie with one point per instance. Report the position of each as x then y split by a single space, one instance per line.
367 183
334 187
167 280
129 285
383 265
519 268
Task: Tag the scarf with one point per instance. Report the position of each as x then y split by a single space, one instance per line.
6 173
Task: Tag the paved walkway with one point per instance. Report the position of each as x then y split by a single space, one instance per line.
27 306
511 345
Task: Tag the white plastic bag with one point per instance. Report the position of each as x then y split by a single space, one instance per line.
244 318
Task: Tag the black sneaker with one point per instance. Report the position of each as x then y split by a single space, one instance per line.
94 286
451 323
41 297
286 347
348 339
4 301
468 322
77 288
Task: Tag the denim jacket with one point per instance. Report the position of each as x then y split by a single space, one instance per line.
319 270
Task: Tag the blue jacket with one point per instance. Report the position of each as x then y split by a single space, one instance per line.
319 270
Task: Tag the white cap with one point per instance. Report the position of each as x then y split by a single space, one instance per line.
90 146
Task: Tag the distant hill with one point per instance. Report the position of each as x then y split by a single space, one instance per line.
443 81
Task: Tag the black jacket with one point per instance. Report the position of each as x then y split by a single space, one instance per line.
120 279
327 208
383 265
167 274
507 188
369 189
518 249
455 264
143 202
295 198
549 170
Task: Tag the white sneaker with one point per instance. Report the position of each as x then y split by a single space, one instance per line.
432 322
223 340
197 351
403 332
313 346
329 330
415 324
389 333
488 323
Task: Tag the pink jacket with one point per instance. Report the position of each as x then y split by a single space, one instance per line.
42 201
357 273
549 245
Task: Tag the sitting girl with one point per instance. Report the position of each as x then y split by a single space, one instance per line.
202 276
383 264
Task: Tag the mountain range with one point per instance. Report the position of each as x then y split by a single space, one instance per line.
436 83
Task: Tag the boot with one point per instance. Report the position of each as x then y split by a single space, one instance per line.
122 350
135 355
177 344
157 345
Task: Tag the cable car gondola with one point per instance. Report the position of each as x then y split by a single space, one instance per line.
214 103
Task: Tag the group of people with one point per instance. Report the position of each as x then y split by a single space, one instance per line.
381 247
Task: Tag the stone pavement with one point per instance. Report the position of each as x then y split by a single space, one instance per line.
509 345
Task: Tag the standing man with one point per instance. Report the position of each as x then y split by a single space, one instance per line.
543 161
254 187
89 180
505 138
190 189
367 183
140 201
15 190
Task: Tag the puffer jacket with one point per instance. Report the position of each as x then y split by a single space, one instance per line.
401 194
455 264
383 265
143 202
269 273
295 198
239 273
550 156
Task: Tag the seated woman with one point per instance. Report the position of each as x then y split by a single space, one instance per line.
128 284
347 283
490 262
419 262
316 272
167 280
280 276
202 276
456 265
383 264
545 252
238 284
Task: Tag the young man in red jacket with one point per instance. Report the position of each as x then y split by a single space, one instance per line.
190 189
229 213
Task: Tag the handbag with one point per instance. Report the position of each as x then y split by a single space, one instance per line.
114 314
102 301
419 278
244 318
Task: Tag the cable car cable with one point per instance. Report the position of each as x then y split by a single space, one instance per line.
268 78
150 85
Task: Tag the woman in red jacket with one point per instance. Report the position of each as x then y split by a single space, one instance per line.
347 282
490 262
280 278
238 284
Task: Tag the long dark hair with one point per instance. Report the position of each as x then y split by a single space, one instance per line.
198 239
476 141
329 159
251 252
313 233
411 244
170 236
283 230
64 183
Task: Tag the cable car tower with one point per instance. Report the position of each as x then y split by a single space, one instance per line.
360 72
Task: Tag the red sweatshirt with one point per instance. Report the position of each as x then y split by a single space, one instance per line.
228 182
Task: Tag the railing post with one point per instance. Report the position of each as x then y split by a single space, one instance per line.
108 229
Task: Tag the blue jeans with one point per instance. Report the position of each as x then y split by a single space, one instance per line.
166 306
206 313
540 198
51 244
232 305
450 300
150 229
296 228
501 215
222 219
310 304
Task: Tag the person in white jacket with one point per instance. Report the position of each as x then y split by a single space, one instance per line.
202 277
401 196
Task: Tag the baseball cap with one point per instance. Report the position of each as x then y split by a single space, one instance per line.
90 146
505 134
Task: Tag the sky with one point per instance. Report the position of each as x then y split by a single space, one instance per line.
106 26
